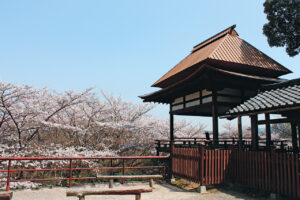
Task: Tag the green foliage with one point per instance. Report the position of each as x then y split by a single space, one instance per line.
283 28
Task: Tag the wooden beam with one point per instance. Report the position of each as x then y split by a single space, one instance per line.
240 131
294 136
274 121
254 132
215 118
268 130
171 124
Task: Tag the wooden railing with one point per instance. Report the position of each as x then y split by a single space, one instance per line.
224 143
271 171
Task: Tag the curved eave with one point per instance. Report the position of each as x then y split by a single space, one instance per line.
261 111
254 71
148 97
160 95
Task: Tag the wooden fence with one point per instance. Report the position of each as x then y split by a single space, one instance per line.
276 172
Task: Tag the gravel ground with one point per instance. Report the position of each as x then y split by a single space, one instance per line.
160 191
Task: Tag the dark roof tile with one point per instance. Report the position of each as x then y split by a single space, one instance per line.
280 95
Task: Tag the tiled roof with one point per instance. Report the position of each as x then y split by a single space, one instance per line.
271 97
226 47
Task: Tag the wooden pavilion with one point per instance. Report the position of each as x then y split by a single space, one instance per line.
218 74
225 76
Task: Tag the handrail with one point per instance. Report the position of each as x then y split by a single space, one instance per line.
164 145
81 158
71 167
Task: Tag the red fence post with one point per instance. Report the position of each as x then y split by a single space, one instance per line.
123 181
70 174
8 175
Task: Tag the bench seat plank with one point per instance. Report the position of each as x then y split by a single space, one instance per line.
108 191
121 191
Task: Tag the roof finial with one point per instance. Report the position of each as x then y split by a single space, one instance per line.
232 31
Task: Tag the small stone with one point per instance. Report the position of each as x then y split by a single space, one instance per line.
202 189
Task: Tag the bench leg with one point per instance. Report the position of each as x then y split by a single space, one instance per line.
81 197
111 183
151 182
138 197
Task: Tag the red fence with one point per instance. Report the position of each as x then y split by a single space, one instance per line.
11 167
276 172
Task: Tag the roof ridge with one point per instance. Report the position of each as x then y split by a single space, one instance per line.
221 34
280 85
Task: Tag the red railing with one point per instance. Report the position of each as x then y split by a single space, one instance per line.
271 171
10 167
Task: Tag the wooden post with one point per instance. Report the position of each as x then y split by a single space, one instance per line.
268 131
215 118
111 183
171 142
254 132
138 197
294 137
240 132
171 124
151 182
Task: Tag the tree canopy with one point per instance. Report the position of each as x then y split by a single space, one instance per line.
283 28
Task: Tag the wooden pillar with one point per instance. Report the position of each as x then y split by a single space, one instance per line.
254 132
268 131
298 135
294 136
171 124
215 118
171 142
240 131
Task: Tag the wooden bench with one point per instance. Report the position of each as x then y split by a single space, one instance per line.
121 191
112 177
5 195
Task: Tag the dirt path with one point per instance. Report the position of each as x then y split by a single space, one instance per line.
160 192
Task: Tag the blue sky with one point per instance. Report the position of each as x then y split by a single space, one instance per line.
120 47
